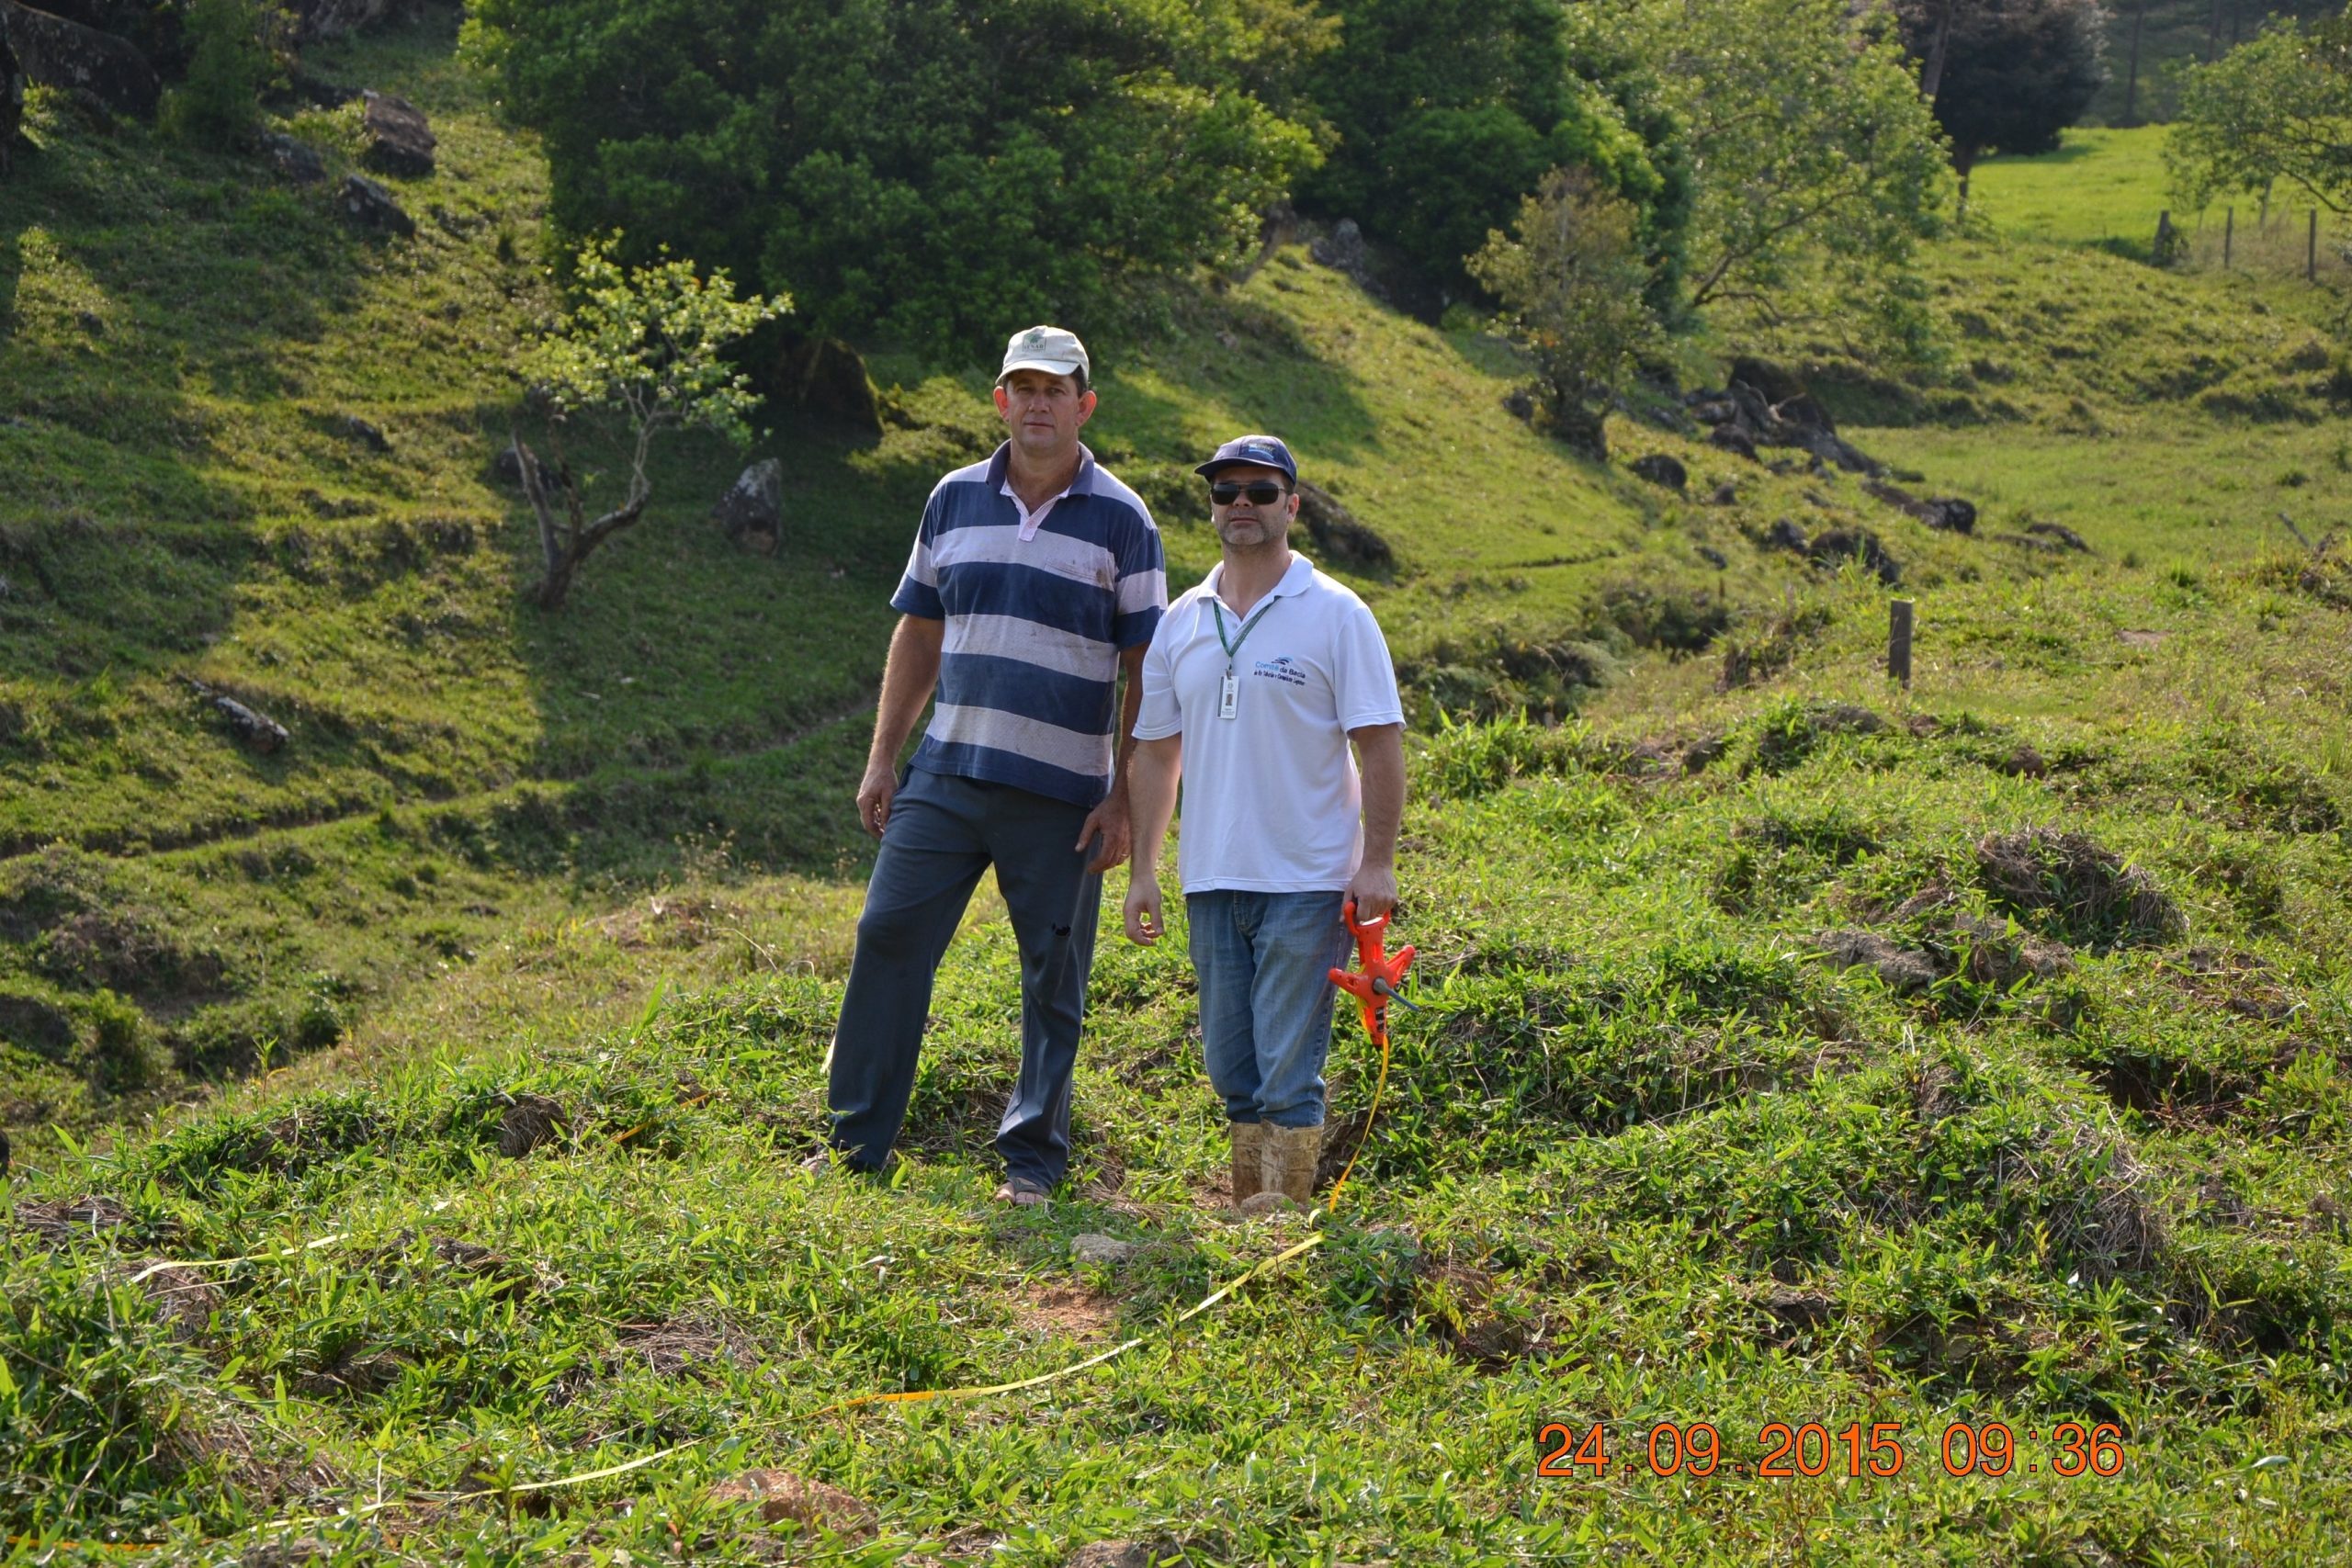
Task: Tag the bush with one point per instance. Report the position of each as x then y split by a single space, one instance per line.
230 64
121 1056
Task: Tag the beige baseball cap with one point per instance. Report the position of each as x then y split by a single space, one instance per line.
1051 349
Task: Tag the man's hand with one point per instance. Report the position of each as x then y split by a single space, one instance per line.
1374 887
1145 922
1110 820
874 793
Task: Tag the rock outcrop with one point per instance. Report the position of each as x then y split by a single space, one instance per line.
400 142
65 54
317 21
752 509
362 201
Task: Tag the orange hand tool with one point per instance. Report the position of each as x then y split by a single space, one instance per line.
1374 985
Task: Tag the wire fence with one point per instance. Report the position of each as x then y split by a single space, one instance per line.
2276 241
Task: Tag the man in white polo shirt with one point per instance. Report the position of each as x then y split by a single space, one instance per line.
1255 686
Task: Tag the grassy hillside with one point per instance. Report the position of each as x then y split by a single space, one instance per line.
1798 1049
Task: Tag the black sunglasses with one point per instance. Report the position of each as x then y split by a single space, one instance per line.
1261 492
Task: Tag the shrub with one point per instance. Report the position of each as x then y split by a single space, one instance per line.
230 64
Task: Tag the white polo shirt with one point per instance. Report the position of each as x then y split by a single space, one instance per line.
1272 801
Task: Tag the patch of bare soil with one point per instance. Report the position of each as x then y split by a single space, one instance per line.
1068 1309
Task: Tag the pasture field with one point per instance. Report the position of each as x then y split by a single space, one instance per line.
408 1127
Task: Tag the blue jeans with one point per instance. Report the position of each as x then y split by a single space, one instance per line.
1265 961
944 831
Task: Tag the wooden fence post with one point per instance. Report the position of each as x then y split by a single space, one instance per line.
2229 234
1898 641
2311 251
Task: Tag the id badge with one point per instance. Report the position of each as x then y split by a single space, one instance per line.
1228 695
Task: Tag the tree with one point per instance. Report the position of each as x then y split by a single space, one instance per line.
1571 280
2277 107
1448 112
921 172
2005 75
219 104
645 343
1817 163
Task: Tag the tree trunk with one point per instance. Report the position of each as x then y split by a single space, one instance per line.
563 545
2131 77
1931 77
2213 34
1964 159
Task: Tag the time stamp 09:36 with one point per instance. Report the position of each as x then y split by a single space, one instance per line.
1568 1450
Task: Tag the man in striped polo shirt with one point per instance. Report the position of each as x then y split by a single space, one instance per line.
1036 579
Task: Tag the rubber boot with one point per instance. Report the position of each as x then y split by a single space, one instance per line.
1291 1157
1248 1159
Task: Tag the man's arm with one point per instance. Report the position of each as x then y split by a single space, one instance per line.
1112 819
1151 792
907 683
1380 753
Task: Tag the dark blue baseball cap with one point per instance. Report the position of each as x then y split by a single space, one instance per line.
1265 451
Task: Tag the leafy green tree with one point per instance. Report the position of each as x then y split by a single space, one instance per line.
1448 112
1571 279
2005 75
919 171
2277 107
645 343
1818 162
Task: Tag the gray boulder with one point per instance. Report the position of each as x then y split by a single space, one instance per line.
75 58
753 510
363 202
1661 468
1342 250
293 160
399 140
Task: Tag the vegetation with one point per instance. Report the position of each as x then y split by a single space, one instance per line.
2276 108
918 173
1797 1048
1571 282
646 343
2006 74
230 63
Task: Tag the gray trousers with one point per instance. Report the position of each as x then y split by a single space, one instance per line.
944 831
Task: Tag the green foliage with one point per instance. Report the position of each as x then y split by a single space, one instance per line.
1448 112
2279 108
922 173
647 342
1572 283
230 63
2015 73
1821 169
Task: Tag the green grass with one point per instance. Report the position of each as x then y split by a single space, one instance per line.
1650 1156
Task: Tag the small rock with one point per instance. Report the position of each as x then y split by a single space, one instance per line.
2024 762
1731 439
1338 538
1726 494
1904 970
254 732
91 322
779 1495
1264 1203
529 1122
1784 535
1714 556
1112 1554
1519 403
399 140
1662 468
1948 513
293 160
351 427
1342 250
753 510
1093 1247
369 205
2059 535
1838 546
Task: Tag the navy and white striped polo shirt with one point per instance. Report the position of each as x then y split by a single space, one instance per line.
1029 662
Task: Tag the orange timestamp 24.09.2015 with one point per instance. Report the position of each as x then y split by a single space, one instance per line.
1568 1450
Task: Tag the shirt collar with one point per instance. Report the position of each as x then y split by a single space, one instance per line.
1296 578
1001 470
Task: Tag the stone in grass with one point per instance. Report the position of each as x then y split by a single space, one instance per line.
363 202
399 140
1112 1554
779 1495
1662 468
529 1122
293 160
1092 1247
1904 970
752 509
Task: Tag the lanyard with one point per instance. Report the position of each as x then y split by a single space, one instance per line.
1233 649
